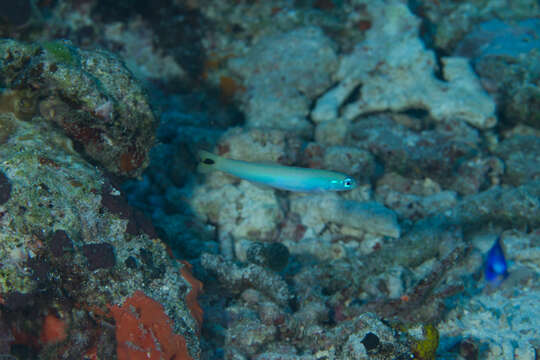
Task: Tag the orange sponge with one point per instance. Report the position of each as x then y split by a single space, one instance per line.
143 331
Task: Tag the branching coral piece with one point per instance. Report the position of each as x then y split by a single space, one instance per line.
237 279
143 331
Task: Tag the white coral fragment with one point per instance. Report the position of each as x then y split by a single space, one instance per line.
318 210
393 71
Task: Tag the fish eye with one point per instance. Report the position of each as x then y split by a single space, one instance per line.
347 182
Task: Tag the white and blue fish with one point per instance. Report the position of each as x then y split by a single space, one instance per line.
282 177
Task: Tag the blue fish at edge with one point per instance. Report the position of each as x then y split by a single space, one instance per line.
496 268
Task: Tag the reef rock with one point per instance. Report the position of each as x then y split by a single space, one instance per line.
392 71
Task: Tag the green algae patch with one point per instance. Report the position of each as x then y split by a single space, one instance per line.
424 345
61 52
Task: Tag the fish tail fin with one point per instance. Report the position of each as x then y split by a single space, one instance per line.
207 161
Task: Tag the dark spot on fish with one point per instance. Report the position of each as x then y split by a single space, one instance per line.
209 161
99 256
5 188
